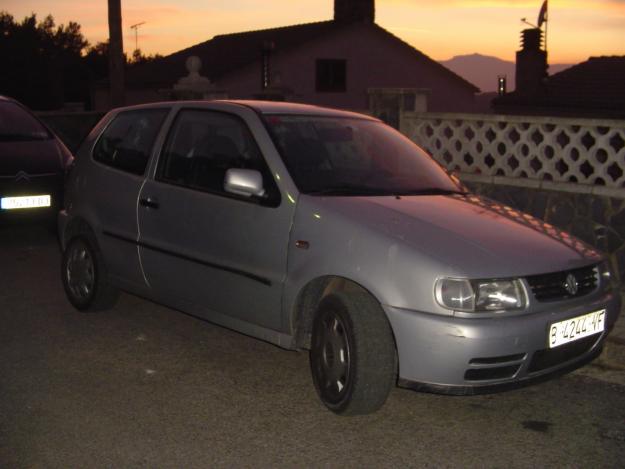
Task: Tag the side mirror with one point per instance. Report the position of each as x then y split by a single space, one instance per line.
245 182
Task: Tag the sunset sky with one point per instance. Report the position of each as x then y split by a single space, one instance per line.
441 29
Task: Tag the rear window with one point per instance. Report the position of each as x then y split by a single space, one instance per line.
18 125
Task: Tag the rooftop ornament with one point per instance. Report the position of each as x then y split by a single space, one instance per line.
194 85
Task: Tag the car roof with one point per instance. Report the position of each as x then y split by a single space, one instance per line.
8 99
282 107
261 107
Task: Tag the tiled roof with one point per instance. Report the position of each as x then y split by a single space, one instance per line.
598 82
225 53
229 52
418 54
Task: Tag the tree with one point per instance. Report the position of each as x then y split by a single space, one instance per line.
45 66
42 63
139 58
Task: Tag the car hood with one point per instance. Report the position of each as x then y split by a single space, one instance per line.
34 157
467 235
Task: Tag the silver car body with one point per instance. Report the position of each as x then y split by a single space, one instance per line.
256 268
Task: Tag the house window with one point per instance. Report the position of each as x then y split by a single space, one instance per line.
331 75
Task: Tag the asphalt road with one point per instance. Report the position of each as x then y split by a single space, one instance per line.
146 386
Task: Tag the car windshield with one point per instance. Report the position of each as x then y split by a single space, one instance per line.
17 125
355 157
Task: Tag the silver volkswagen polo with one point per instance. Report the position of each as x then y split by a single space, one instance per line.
325 230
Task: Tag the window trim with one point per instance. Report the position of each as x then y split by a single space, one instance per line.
152 146
273 201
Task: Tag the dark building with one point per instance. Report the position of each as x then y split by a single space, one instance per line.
348 62
595 88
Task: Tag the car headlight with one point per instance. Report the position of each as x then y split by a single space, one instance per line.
605 274
480 295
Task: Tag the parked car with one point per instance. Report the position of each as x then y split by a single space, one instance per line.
33 162
326 230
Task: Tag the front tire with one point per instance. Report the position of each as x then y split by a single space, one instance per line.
84 277
352 356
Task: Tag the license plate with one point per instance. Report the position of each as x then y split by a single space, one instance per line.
576 328
29 201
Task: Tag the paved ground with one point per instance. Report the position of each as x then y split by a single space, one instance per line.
146 386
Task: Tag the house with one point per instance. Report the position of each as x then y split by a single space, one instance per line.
594 88
349 62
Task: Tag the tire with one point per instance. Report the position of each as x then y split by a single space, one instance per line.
352 356
84 277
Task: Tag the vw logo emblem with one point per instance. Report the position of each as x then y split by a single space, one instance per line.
571 284
22 176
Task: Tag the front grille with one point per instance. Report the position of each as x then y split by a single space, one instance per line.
547 358
553 287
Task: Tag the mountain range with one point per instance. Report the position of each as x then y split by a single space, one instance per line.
483 70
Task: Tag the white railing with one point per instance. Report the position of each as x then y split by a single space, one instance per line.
575 155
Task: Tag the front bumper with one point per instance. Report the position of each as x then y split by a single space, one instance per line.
467 356
51 185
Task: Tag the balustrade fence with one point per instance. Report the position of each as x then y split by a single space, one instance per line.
570 155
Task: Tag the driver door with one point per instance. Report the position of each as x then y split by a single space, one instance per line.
221 253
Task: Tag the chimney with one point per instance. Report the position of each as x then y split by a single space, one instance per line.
354 11
531 63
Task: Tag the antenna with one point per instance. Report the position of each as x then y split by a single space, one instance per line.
524 20
136 28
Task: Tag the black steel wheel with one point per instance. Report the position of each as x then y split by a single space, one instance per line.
84 277
352 354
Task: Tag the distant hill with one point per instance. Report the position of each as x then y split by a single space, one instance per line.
482 70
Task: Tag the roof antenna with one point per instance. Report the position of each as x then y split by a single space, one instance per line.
136 28
524 20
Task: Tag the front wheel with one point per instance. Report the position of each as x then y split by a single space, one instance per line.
84 277
352 356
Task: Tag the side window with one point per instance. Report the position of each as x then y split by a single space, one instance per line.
127 141
203 145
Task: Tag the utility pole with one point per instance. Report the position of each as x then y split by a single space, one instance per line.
136 28
116 53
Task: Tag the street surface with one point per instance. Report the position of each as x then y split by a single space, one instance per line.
146 386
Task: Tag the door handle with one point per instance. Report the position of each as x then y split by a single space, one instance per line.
149 202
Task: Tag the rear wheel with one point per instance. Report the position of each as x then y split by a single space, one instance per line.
352 356
84 277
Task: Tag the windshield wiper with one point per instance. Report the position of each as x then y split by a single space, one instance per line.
356 190
22 137
432 191
346 189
